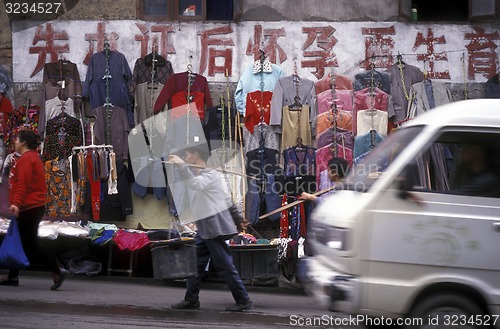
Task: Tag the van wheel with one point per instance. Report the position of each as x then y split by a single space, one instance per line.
445 311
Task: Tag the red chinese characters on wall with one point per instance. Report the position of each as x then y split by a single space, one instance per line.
272 49
218 44
46 35
158 34
99 37
481 52
431 57
319 59
379 46
216 47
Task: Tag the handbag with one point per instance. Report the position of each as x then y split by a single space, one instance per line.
11 251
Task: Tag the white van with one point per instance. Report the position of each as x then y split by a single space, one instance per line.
413 235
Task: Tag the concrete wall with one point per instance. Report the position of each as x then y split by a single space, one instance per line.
319 10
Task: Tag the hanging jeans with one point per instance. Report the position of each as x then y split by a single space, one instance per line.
218 252
262 192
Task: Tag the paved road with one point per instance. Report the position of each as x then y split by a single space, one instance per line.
118 302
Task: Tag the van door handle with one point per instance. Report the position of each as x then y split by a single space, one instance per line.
496 226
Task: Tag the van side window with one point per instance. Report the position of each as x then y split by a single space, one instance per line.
461 163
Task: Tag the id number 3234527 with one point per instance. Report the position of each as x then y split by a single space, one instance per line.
462 320
33 8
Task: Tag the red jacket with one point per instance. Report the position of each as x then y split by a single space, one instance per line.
27 185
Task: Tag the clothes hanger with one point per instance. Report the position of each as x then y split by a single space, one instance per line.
153 56
299 147
400 61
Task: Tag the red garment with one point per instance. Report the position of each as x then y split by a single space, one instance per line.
179 100
95 188
27 186
303 220
256 101
284 218
130 240
179 82
5 109
324 154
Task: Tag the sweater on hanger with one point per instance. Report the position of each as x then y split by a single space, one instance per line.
342 82
284 94
178 82
250 81
399 93
429 94
95 86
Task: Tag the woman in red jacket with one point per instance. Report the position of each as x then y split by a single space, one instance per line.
27 193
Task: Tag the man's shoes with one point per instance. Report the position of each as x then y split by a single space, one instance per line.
62 276
241 307
185 305
10 282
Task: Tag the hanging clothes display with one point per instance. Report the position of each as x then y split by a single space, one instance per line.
344 100
107 81
342 136
342 119
118 129
258 109
300 170
293 108
402 77
61 82
341 82
261 75
262 162
428 94
63 133
150 74
175 92
366 142
372 119
324 154
373 78
372 98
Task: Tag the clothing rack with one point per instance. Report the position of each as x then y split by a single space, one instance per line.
334 111
107 105
296 106
189 82
92 146
372 107
151 95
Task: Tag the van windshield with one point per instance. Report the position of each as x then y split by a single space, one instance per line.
370 166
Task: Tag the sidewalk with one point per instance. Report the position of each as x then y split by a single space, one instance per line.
144 293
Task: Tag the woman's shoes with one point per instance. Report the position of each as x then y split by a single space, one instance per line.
10 282
60 279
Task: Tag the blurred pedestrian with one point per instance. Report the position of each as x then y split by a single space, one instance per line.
27 195
337 170
215 224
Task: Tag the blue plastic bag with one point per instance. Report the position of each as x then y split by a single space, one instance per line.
11 251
